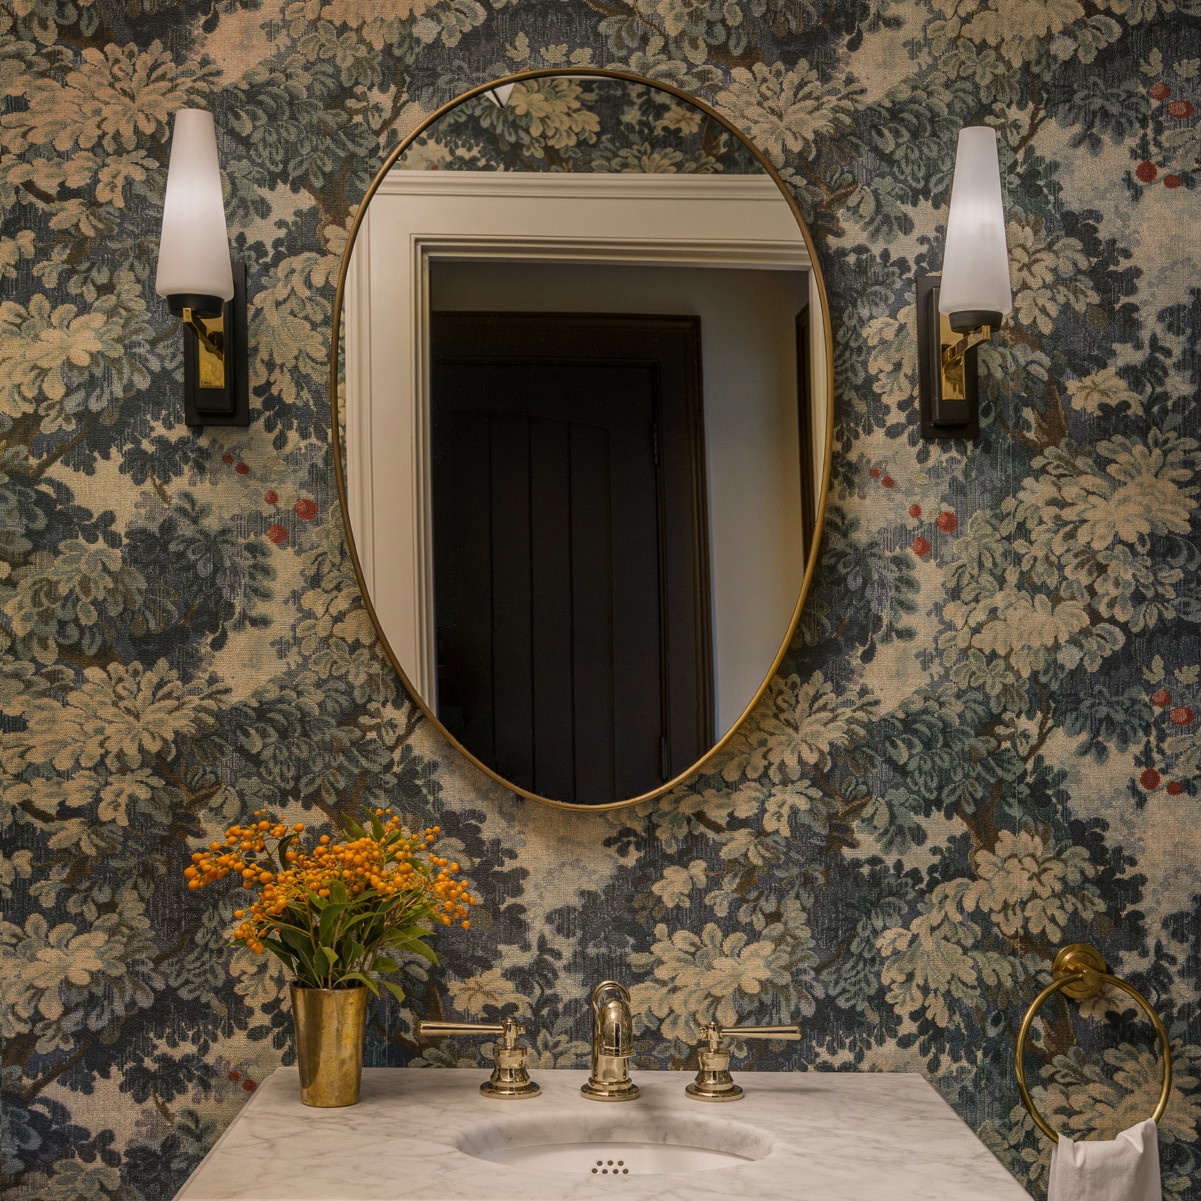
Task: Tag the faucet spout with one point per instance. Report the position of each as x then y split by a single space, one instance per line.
612 1045
615 1029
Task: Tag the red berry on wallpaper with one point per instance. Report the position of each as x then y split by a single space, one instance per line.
1146 172
1149 779
227 457
874 473
1175 788
888 482
947 521
1171 181
1182 715
306 509
277 534
235 1076
915 510
1160 90
1161 698
249 1085
271 496
241 468
1181 108
921 547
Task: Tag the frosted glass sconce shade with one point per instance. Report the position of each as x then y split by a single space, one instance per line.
193 254
975 271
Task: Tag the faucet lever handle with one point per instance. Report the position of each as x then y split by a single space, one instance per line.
509 1029
510 1079
713 1080
788 1033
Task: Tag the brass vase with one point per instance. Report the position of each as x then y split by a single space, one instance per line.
329 1043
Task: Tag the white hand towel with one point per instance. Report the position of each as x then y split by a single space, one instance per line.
1123 1169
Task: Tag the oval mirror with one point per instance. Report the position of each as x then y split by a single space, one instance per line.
581 410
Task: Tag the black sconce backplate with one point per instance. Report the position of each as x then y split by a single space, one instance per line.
942 418
229 405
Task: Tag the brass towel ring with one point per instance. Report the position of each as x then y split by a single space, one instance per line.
1079 971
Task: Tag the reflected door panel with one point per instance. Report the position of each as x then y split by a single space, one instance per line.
571 600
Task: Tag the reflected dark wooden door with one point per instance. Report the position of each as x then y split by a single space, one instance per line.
554 574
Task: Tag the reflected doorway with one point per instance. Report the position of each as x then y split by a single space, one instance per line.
574 651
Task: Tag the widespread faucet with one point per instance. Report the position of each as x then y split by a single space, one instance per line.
612 1045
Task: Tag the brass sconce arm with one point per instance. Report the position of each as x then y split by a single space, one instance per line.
954 355
214 344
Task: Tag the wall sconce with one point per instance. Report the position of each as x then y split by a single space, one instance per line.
201 286
959 309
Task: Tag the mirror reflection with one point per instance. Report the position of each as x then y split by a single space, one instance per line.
583 400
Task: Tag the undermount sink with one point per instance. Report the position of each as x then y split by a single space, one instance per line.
609 1144
615 1158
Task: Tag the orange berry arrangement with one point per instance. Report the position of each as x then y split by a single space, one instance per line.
336 912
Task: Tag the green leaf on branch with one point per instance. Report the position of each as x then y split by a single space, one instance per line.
411 942
371 984
302 949
277 948
281 850
329 919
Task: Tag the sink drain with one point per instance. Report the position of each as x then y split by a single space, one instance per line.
605 1166
613 1157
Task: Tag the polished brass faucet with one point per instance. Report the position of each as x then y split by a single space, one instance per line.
510 1080
612 1045
713 1080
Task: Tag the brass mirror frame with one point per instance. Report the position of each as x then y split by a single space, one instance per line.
336 440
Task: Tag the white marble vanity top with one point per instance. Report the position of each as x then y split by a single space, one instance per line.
825 1136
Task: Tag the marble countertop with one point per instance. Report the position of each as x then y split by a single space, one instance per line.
829 1136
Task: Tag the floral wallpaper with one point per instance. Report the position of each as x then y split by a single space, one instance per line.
577 123
994 751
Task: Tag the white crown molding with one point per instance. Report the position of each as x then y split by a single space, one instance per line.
567 185
761 253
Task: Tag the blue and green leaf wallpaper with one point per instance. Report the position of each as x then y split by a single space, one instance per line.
993 750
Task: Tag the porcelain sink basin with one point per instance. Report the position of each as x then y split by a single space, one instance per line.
618 1158
608 1144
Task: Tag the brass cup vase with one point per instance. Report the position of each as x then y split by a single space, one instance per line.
329 1043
